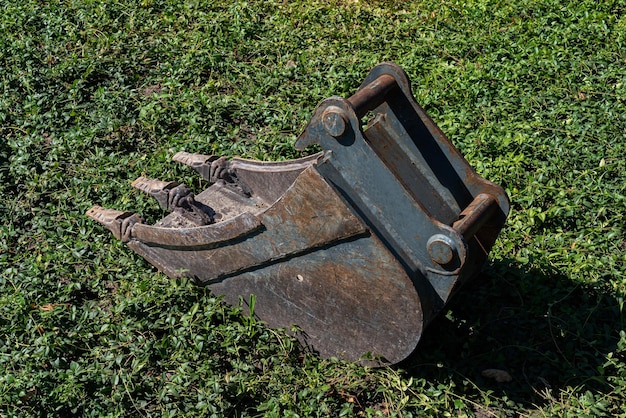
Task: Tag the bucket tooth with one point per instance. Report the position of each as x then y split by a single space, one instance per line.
193 160
176 197
199 162
210 167
167 193
120 223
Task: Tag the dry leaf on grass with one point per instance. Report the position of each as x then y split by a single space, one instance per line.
49 307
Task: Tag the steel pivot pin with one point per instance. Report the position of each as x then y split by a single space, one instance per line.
441 249
334 121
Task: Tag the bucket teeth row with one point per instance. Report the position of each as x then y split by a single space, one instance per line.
171 196
120 223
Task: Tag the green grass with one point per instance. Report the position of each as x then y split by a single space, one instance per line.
95 93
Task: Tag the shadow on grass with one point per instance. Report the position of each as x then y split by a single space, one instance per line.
545 330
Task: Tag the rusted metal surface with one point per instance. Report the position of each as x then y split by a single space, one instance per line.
359 245
409 183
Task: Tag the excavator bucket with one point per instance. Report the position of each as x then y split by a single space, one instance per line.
359 245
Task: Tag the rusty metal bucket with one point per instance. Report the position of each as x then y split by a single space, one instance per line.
359 245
